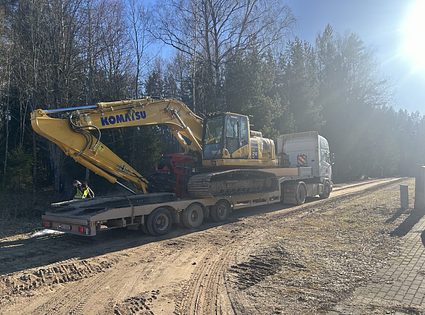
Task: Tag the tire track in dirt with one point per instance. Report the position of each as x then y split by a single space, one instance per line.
256 269
58 273
71 299
111 291
133 305
134 285
201 290
102 291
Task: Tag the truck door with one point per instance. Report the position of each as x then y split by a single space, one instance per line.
325 162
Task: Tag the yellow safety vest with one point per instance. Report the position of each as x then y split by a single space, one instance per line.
80 194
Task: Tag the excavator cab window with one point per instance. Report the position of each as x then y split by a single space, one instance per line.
236 135
244 131
213 137
226 131
232 133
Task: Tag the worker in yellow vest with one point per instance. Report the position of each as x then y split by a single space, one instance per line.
80 191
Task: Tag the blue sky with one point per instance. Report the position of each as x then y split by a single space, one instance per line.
381 25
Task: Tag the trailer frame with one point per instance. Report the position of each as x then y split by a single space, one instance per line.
155 213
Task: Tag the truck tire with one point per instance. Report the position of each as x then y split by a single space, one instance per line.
159 222
145 229
192 216
300 193
220 211
326 190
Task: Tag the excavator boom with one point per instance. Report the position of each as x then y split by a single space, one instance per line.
74 134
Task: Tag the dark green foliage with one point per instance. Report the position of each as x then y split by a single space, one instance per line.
299 85
249 90
159 84
147 149
154 85
206 91
19 176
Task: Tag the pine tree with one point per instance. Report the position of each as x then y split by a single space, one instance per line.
300 86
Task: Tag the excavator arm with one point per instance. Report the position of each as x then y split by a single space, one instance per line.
143 112
78 134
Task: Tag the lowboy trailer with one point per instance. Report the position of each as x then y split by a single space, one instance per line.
305 172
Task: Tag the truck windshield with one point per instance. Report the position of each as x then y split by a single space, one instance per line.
213 138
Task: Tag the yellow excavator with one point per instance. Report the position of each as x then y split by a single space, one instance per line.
228 155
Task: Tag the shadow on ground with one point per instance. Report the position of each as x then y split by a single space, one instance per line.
395 215
407 224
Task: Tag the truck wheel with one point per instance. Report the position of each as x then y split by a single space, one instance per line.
144 229
159 222
192 216
301 193
220 211
326 190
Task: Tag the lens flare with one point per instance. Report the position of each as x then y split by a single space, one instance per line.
413 32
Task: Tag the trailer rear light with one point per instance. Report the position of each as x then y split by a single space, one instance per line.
83 229
47 224
65 226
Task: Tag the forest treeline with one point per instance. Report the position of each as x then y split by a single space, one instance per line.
213 55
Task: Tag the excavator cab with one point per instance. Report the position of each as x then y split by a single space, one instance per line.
226 136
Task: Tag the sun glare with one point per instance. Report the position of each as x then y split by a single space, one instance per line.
414 31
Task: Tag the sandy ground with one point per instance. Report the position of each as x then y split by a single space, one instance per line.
274 259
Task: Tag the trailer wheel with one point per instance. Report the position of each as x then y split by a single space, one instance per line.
159 222
326 190
300 193
220 211
192 216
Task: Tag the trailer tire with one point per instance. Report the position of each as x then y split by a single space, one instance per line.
159 222
300 193
192 216
326 190
220 211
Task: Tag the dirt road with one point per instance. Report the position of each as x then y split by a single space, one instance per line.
240 267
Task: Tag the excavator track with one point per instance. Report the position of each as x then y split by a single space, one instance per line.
231 183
